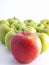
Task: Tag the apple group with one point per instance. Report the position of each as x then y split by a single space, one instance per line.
26 40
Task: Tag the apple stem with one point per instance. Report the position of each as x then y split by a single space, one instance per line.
14 17
23 30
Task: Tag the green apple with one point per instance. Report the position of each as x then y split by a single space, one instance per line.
30 22
18 26
45 30
13 20
44 41
2 22
16 18
39 26
29 29
4 29
8 37
45 22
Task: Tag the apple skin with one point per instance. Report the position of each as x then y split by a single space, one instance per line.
46 30
8 37
25 46
29 29
4 29
45 22
2 22
13 20
45 41
30 22
39 26
18 26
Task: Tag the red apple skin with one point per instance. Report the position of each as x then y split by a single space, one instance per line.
25 47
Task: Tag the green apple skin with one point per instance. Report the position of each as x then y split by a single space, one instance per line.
45 22
18 26
8 37
44 41
30 22
4 29
45 30
29 29
39 27
2 22
13 20
16 19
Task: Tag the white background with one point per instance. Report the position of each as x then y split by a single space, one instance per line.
34 9
23 9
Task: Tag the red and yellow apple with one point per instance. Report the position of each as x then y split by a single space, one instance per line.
25 46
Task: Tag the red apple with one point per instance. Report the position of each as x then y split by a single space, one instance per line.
25 46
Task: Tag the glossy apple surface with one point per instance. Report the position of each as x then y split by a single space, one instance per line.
13 20
18 26
8 37
2 22
45 30
29 29
25 47
45 22
30 22
4 29
45 41
39 26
